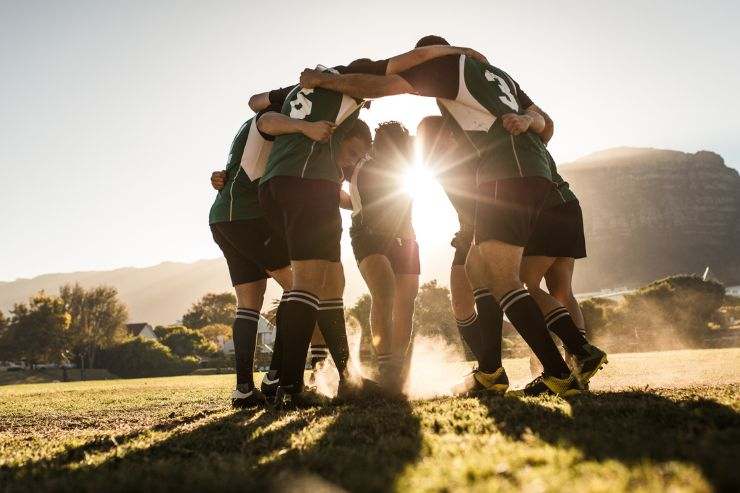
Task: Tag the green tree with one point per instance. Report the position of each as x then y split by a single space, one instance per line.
361 312
211 309
433 313
214 332
98 320
188 342
38 331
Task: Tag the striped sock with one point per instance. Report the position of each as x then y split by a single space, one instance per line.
490 321
301 308
332 327
528 320
470 333
244 334
561 324
317 353
277 348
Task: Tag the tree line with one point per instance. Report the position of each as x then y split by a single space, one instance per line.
86 327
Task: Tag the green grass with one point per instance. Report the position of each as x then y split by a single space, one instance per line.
178 434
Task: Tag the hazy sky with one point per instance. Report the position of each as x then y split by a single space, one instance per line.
113 114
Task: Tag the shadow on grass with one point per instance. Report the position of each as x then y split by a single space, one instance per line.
633 427
359 447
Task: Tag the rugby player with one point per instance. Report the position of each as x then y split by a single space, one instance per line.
239 228
300 194
513 178
556 242
385 247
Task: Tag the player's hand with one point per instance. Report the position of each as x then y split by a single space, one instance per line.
470 52
310 78
516 124
319 131
218 179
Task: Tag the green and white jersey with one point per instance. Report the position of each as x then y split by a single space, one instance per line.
562 193
296 154
247 159
475 95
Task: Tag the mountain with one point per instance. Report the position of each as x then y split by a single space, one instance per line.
648 213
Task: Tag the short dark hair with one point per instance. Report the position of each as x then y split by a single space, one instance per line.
393 141
359 130
431 40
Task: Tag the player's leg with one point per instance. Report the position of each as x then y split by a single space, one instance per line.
463 308
532 271
587 358
505 218
331 318
490 316
306 212
249 281
406 267
378 274
559 281
300 316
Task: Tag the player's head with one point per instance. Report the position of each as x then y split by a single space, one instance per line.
431 40
356 143
393 144
436 138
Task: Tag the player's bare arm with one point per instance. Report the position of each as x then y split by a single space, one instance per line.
364 86
549 129
275 123
417 56
259 102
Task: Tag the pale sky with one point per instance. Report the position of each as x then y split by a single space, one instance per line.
113 114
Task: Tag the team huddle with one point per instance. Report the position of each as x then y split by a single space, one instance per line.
277 214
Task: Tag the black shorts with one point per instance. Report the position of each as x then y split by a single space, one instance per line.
507 210
558 233
250 249
402 254
305 213
461 242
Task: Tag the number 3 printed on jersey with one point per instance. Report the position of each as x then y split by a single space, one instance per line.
508 99
300 107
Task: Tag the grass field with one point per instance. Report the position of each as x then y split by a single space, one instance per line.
656 422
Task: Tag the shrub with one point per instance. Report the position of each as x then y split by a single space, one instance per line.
139 357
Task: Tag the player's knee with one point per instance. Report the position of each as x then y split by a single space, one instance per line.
462 309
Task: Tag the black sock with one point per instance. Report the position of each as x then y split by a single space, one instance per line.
317 353
528 320
244 333
331 325
301 308
470 334
561 324
277 348
490 321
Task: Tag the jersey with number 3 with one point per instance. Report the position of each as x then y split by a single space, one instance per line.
476 95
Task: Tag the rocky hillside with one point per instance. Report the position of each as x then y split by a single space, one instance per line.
651 213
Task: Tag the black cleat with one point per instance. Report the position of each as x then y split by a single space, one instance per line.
592 360
270 384
478 382
549 385
246 400
287 397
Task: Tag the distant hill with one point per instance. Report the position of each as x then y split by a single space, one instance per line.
649 213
